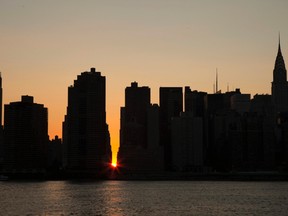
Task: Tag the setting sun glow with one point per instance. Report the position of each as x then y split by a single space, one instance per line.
42 45
114 165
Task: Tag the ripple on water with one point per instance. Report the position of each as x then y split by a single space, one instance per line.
143 198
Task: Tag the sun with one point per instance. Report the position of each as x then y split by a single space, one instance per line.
114 165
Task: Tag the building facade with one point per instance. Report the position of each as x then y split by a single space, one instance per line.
1 126
139 133
86 138
171 105
187 143
25 136
279 84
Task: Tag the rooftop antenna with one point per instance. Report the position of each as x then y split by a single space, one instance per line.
227 87
216 80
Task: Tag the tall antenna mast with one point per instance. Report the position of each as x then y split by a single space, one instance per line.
216 80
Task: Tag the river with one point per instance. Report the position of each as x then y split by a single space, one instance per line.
143 198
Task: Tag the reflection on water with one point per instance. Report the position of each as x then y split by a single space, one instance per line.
143 198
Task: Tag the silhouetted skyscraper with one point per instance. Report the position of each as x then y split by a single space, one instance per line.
55 154
1 99
240 103
1 127
25 135
137 101
171 105
194 102
86 137
187 143
263 105
279 84
139 133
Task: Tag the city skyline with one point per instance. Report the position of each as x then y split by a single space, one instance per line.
45 45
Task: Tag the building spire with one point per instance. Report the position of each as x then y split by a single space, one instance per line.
279 83
279 44
279 62
279 72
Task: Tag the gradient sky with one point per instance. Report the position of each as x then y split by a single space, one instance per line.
45 44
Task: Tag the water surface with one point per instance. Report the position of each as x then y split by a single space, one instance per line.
143 198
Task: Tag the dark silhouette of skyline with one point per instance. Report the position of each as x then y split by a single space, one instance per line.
219 132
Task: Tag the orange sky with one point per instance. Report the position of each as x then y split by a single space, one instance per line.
46 44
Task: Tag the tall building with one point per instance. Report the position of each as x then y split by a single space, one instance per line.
187 143
279 83
217 117
1 99
134 121
139 133
263 105
240 103
55 154
25 135
171 105
194 102
1 126
86 138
